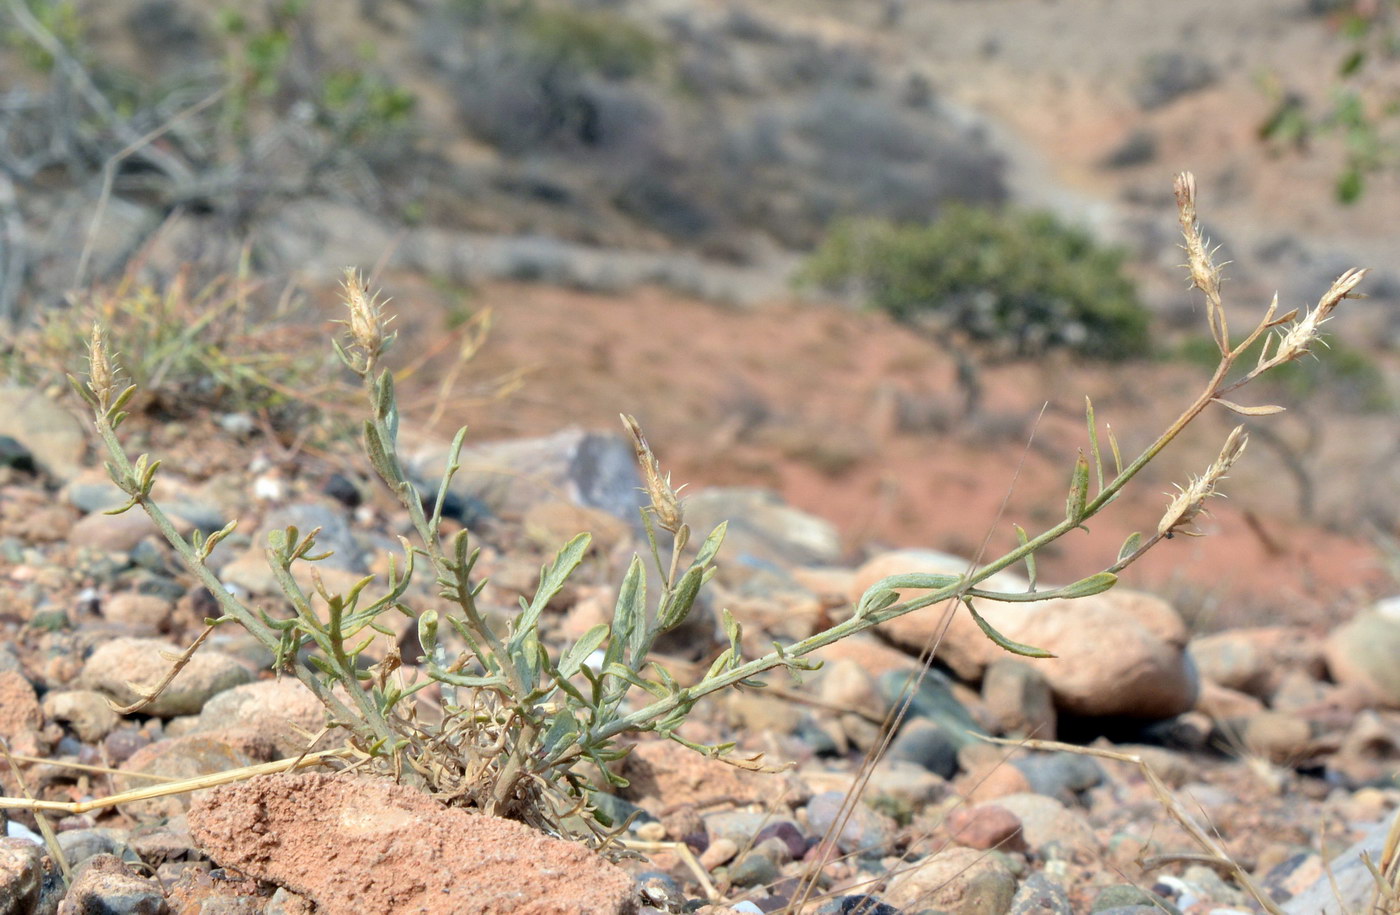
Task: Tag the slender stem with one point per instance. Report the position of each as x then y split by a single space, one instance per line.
661 708
230 605
428 532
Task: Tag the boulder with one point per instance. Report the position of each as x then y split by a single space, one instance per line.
1120 653
1362 654
124 668
509 477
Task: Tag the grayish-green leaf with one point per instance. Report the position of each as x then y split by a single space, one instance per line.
1028 651
1023 540
710 547
1087 587
1094 440
675 612
552 580
580 651
629 614
1078 489
1130 546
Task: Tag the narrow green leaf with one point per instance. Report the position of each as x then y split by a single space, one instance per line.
1026 651
1087 587
732 630
454 453
682 599
83 391
573 690
552 580
579 652
1094 440
469 681
213 539
384 394
1023 540
1352 63
380 457
1078 489
623 672
564 730
629 614
1130 546
122 399
720 663
712 543
873 601
427 630
667 681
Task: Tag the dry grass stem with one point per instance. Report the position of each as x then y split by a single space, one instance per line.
175 787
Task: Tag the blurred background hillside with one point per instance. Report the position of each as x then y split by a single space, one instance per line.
843 250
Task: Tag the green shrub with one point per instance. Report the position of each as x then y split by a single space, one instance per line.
1022 281
594 41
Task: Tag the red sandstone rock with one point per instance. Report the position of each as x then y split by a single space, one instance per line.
356 845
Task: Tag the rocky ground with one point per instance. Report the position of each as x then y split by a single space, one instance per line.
640 260
1278 740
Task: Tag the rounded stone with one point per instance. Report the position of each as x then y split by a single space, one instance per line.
125 668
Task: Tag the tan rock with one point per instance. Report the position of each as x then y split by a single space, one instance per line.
964 648
944 881
1044 820
847 684
126 668
1362 653
990 782
869 652
185 757
1222 703
1019 699
1279 737
148 612
1120 653
282 710
86 711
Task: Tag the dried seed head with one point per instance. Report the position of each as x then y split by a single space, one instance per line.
1294 341
1189 501
367 325
664 503
102 376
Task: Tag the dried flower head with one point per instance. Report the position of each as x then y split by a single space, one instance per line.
1205 273
366 337
664 503
1189 501
102 375
1293 341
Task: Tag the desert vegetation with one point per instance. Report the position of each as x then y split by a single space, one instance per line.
915 374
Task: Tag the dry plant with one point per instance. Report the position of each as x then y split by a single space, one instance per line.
530 734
